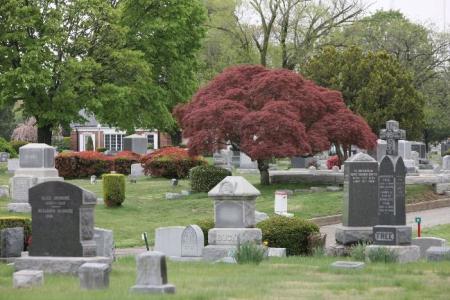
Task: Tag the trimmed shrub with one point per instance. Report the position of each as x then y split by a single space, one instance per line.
204 178
170 162
333 161
101 149
249 253
290 233
11 222
206 225
7 147
89 144
113 189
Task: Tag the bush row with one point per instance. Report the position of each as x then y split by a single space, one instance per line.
7 147
204 178
88 163
170 162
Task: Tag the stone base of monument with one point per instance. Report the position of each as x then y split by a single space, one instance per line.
346 235
185 258
58 265
153 289
392 235
403 254
19 207
216 252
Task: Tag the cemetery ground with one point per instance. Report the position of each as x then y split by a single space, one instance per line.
146 208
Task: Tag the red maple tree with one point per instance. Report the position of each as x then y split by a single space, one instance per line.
268 113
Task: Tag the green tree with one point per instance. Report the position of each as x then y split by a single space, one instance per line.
59 57
89 144
7 122
373 84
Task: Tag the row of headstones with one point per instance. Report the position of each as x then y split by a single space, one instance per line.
228 159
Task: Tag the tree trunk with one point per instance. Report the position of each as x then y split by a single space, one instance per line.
263 166
339 153
175 136
45 134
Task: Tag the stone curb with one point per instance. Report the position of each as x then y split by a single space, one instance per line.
413 207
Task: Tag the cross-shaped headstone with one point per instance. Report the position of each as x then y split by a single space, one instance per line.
392 134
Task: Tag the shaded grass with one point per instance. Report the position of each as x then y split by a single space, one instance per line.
283 278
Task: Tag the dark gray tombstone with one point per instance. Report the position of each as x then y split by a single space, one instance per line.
360 191
392 235
62 220
11 242
300 162
420 148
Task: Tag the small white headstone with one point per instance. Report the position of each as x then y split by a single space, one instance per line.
281 199
192 241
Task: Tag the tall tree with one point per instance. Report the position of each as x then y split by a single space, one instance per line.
7 122
373 84
269 113
59 57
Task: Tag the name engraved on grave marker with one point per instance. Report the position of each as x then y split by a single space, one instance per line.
226 237
54 205
384 236
363 176
386 204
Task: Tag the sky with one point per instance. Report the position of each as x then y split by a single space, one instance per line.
425 12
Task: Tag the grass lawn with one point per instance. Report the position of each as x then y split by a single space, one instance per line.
145 207
287 278
442 231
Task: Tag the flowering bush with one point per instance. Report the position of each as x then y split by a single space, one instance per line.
87 163
333 161
170 162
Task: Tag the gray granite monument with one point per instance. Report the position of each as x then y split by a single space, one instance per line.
36 165
135 143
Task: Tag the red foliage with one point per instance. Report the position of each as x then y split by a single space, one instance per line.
333 161
170 162
269 113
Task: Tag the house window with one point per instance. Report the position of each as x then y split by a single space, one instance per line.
114 142
151 140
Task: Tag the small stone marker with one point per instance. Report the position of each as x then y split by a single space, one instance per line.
137 170
11 242
348 264
438 253
104 240
446 163
426 242
93 179
28 278
281 203
276 252
392 235
192 241
62 220
4 156
152 274
94 276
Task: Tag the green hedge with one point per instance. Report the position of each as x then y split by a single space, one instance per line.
6 147
204 178
113 189
290 233
11 222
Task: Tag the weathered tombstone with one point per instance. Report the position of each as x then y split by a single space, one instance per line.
300 162
13 165
104 240
360 212
62 220
137 170
379 151
245 162
281 203
4 156
404 149
192 241
420 148
94 276
27 278
168 240
152 274
135 143
234 217
11 242
446 163
426 242
36 165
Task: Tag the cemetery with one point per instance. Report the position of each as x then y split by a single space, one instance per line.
247 149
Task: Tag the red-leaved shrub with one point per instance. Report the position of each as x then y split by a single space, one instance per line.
170 162
333 161
88 163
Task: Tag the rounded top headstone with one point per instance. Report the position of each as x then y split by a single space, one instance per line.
234 186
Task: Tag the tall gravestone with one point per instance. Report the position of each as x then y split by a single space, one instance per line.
391 229
36 165
360 211
62 220
135 143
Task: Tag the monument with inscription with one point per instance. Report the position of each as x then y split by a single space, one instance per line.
360 211
62 228
391 230
36 165
234 217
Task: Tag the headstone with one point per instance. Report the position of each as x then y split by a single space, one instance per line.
420 148
438 253
104 240
13 165
391 235
300 162
192 241
36 165
152 274
246 162
415 157
379 151
137 170
4 156
404 149
11 242
168 240
446 163
445 146
93 179
235 159
28 278
426 242
135 143
234 217
281 201
62 220
94 276
360 191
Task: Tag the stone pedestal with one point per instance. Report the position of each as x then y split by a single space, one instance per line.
346 235
57 265
392 235
36 165
94 276
28 278
135 143
234 216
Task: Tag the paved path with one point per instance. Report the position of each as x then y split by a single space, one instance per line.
430 218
